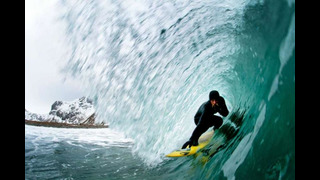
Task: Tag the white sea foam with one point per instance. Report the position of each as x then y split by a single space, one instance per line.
102 137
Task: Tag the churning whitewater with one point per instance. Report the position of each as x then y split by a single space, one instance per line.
149 65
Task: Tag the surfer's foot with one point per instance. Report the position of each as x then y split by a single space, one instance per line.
195 143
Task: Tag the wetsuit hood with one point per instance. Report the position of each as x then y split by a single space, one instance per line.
214 95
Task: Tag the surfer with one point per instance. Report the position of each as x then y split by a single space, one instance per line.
205 118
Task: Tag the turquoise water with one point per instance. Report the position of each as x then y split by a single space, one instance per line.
150 65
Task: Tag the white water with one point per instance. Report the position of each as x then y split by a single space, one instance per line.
150 65
103 137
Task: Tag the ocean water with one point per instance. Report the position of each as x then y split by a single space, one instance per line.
149 65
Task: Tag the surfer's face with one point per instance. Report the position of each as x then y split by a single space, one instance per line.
213 102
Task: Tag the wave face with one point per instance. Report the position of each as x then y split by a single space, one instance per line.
149 65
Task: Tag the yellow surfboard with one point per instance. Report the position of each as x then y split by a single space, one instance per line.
203 141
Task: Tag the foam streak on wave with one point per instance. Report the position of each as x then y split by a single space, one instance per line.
242 150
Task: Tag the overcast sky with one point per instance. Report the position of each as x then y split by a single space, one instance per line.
45 49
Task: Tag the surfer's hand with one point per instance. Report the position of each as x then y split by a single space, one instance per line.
185 145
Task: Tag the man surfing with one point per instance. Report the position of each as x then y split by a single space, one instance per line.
205 118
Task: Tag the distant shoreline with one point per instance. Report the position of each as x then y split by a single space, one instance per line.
63 125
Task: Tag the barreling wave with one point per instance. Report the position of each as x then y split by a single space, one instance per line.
150 65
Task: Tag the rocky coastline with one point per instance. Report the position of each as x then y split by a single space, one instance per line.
62 125
79 113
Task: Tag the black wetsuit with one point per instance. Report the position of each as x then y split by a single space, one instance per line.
205 118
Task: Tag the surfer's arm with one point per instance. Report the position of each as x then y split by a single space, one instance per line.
223 110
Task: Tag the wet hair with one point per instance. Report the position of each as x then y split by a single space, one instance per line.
214 95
